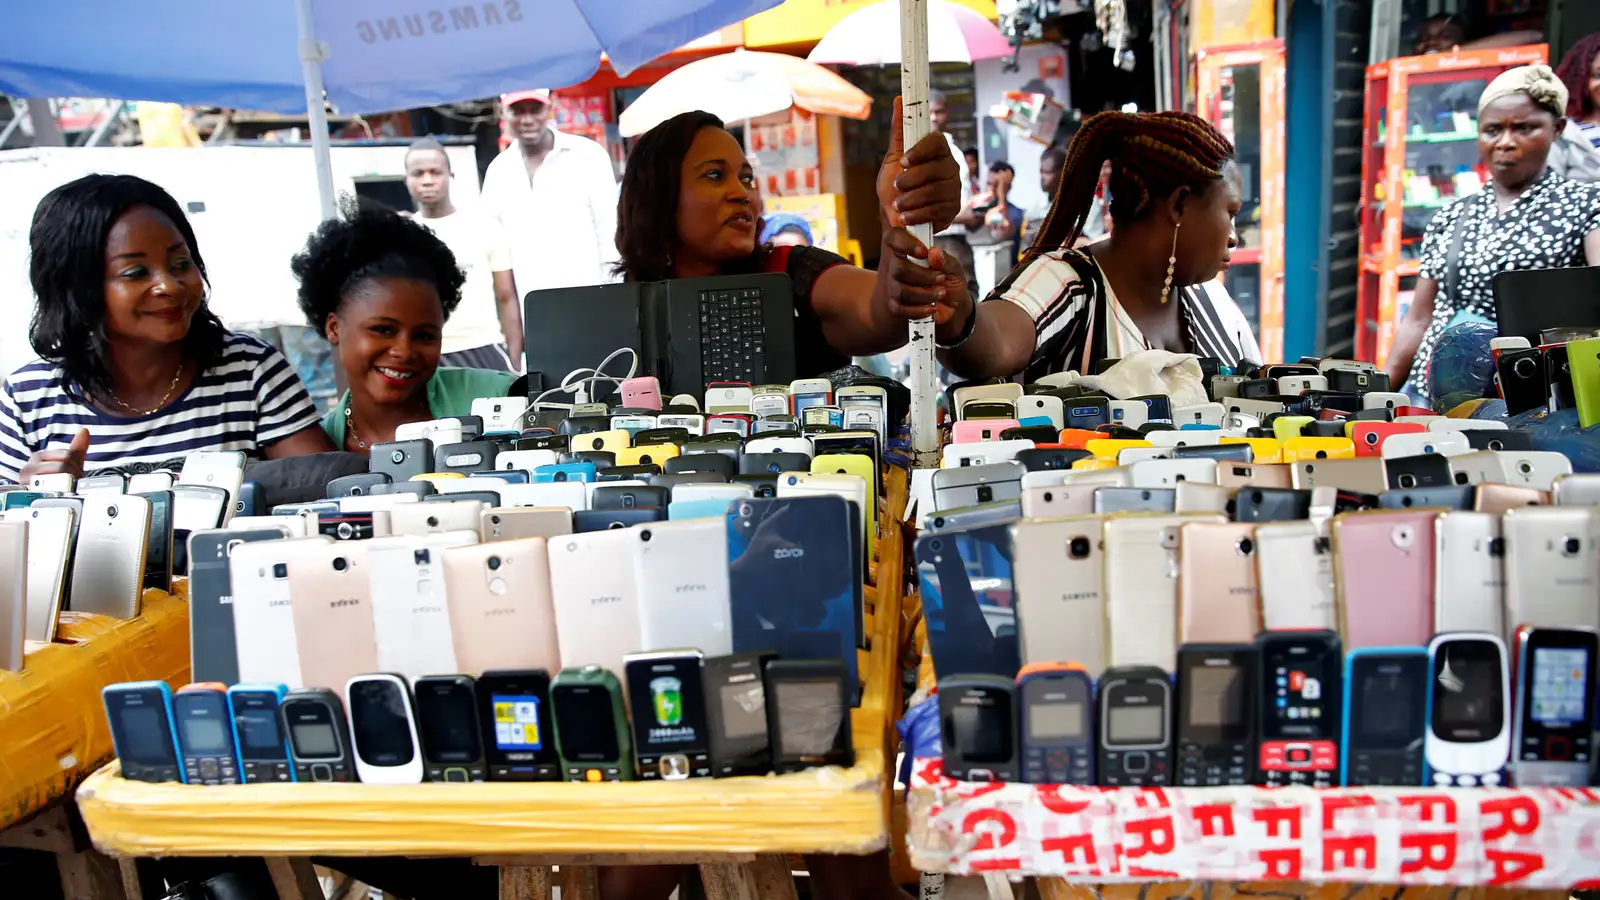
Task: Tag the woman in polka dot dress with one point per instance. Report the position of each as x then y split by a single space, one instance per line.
1529 218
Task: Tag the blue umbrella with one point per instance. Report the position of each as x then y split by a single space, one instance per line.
369 55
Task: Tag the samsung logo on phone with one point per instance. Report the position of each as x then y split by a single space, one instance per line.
225 599
338 603
273 603
788 553
1081 595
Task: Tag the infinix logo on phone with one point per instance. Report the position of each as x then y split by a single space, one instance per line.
607 599
338 603
501 611
788 553
689 588
423 610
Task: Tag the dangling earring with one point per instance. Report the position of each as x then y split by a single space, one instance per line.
1172 265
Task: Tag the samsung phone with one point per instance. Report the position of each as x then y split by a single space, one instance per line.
1385 720
1141 588
1552 566
213 648
1057 576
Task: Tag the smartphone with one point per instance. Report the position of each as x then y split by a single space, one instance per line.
1575 490
1135 730
1300 693
809 392
1469 593
1552 557
1385 722
1057 574
1168 473
971 485
981 453
1273 475
114 483
1385 575
214 468
595 598
591 726
13 593
1363 476
1216 717
512 523
1130 499
142 731
978 717
319 735
1218 600
410 609
53 483
1294 573
966 580
1468 741
256 564
1259 504
199 507
108 567
1141 588
850 488
402 460
681 574
149 481
1057 501
49 560
501 414
213 649
334 634
1530 469
205 734
500 605
434 517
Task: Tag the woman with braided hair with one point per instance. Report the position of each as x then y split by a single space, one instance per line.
1174 195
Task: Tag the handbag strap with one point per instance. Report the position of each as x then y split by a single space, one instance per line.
1452 260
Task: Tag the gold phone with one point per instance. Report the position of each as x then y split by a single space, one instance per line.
502 615
1498 498
1218 598
1140 588
509 523
108 569
330 595
1197 497
1366 475
1057 574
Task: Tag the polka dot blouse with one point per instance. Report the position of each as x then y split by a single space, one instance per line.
1543 228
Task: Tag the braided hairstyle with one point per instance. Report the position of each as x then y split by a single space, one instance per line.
1151 154
1574 73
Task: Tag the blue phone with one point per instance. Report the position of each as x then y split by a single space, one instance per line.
140 713
19 499
710 508
258 732
252 500
577 471
967 601
1196 426
794 579
205 734
1385 717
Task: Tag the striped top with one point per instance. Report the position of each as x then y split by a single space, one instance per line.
248 399
1078 321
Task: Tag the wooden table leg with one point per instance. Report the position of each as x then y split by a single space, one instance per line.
729 881
525 883
130 879
294 878
580 883
773 880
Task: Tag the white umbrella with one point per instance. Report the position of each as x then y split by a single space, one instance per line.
745 85
868 36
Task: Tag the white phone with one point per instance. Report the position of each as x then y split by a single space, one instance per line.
1447 424
570 494
525 460
1142 454
1470 694
1419 420
1253 407
1552 566
1294 573
1128 413
813 484
962 396
288 526
263 613
596 598
695 423
50 539
764 405
449 515
216 468
439 431
149 482
865 418
383 728
1198 414
366 503
1469 575
808 392
1113 477
629 424
1351 365
1056 501
730 492
1141 588
681 575
1167 473
102 484
1417 443
1047 405
1509 342
728 399
410 610
500 414
779 445
1170 439
1384 400
1294 385
981 453
1577 490
53 483
468 484
1196 497
1537 469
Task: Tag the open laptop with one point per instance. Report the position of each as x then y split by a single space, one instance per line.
1529 301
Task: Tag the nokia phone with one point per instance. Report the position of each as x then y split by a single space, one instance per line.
591 725
514 713
1216 717
205 734
1468 741
319 735
383 729
670 735
1385 721
1553 733
808 712
1299 694
736 708
978 728
447 723
1135 727
258 733
142 731
1055 709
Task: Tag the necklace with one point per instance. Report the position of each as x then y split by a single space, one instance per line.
159 403
350 426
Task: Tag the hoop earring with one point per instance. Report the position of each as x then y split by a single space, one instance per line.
1172 265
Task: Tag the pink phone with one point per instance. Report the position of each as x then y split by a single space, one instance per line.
969 431
1384 572
643 392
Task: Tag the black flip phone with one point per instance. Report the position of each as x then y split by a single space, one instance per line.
356 485
319 735
514 715
642 472
1357 382
447 722
1522 379
1259 504
587 520
1425 470
1135 719
1386 703
691 463
158 558
764 485
661 436
1039 434
421 490
576 425
602 459
1052 459
668 698
1216 715
402 460
633 496
213 649
736 707
978 728
1446 497
1087 412
1237 453
808 713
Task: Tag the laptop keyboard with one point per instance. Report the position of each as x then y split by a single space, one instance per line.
732 336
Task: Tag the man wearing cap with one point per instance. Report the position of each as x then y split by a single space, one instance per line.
554 196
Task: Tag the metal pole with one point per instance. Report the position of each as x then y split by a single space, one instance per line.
113 113
914 89
312 53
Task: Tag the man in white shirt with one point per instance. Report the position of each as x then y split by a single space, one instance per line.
485 331
554 196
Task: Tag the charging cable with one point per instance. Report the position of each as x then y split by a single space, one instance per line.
580 383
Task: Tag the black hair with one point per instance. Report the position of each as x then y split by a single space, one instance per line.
1001 165
370 241
647 203
67 266
969 151
1055 152
425 143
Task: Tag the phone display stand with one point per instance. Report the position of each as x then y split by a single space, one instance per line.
738 830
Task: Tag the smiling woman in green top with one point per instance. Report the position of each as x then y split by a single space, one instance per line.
379 287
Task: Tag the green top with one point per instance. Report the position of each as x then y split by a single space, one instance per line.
450 393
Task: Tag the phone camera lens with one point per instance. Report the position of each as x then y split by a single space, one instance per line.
494 563
794 479
1144 495
345 532
1256 497
1049 496
1571 546
936 546
1523 368
433 521
1371 438
1078 547
1408 481
280 570
985 494
644 535
744 510
397 456
339 564
1524 468
494 520
1246 547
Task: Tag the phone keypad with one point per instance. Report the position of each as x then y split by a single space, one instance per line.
338 771
1384 768
1299 763
594 773
1058 765
266 772
675 766
453 773
545 772
1213 766
149 774
210 770
1135 768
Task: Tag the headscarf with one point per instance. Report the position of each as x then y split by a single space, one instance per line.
1538 82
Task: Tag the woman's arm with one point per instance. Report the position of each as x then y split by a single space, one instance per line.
302 443
1591 248
1408 337
1002 343
864 313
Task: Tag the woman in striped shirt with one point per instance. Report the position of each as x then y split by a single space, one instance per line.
1150 285
135 371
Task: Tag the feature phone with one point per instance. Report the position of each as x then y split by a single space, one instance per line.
514 714
1385 700
1055 705
1216 721
205 734
258 733
142 733
1299 694
736 713
1469 710
383 723
978 727
447 721
669 714
591 732
319 735
808 713
1135 733
1553 734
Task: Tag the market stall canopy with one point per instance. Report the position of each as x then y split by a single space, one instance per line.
871 36
745 85
381 55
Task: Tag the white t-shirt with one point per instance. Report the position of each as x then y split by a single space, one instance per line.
966 185
480 252
561 225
